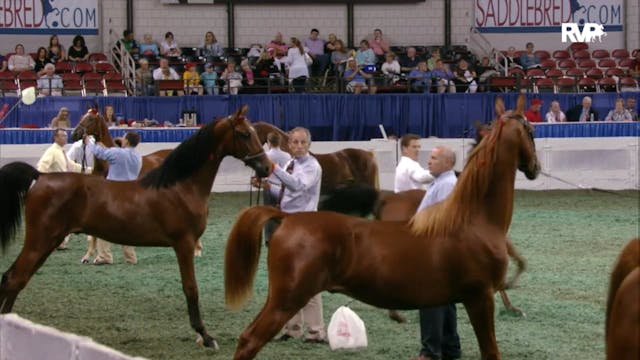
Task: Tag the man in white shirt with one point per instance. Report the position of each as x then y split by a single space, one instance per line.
409 174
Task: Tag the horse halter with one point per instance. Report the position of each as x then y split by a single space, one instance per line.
236 133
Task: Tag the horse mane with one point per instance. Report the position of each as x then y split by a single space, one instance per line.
473 183
182 162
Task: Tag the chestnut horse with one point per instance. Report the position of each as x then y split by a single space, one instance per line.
338 168
167 207
454 251
93 123
622 324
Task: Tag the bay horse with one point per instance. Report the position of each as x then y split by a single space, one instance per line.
341 167
454 251
167 207
93 123
622 322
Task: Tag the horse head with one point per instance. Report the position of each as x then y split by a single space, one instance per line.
523 132
92 123
243 143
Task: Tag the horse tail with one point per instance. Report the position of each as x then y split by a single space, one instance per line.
521 264
15 180
628 260
356 198
243 252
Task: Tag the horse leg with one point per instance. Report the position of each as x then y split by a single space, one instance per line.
184 253
480 309
271 319
91 248
509 306
31 257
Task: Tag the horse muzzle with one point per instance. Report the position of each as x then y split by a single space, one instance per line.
259 163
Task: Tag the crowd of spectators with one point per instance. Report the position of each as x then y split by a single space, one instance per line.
294 66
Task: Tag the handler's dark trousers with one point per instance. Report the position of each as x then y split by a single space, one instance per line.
438 332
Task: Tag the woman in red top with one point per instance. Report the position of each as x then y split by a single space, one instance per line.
533 114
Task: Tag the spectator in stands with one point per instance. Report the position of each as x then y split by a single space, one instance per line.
265 68
56 50
634 70
42 59
533 114
511 59
582 113
409 61
619 113
3 64
391 69
20 61
420 79
465 78
357 78
528 59
435 56
209 80
409 173
79 50
192 80
631 107
247 72
330 45
443 77
210 47
277 48
364 55
315 46
555 114
50 83
255 50
339 57
164 72
298 70
379 45
110 116
486 70
169 47
129 43
232 78
144 79
61 120
149 48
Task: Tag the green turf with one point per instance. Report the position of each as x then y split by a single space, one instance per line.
570 239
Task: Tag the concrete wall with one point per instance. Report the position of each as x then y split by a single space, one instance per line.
606 163
404 24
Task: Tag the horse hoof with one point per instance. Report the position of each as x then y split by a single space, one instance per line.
197 253
208 342
84 261
395 316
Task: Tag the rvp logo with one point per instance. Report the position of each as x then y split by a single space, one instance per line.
571 32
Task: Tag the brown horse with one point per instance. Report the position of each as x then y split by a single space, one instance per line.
622 324
93 123
454 251
167 207
340 167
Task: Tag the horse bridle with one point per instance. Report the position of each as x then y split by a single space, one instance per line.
236 133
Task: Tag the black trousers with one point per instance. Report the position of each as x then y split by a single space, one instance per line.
439 332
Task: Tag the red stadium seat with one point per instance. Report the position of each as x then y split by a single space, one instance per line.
607 63
554 73
577 46
535 73
8 84
581 55
626 63
575 73
545 85
98 57
620 54
542 54
516 72
71 84
27 79
628 84
93 84
63 67
615 72
600 54
561 54
587 85
607 84
595 73
83 67
104 67
566 85
114 84
586 64
566 64
548 64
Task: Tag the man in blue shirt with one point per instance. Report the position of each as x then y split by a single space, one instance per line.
438 325
124 165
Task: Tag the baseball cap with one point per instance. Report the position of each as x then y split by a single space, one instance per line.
536 102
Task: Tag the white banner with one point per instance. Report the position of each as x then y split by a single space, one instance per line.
62 17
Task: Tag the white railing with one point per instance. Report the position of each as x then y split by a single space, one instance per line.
124 61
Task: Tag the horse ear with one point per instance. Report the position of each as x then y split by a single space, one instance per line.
481 131
520 105
239 115
499 107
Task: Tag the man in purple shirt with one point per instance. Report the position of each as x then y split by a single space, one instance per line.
316 50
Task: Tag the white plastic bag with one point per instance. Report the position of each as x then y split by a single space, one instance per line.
346 330
308 59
